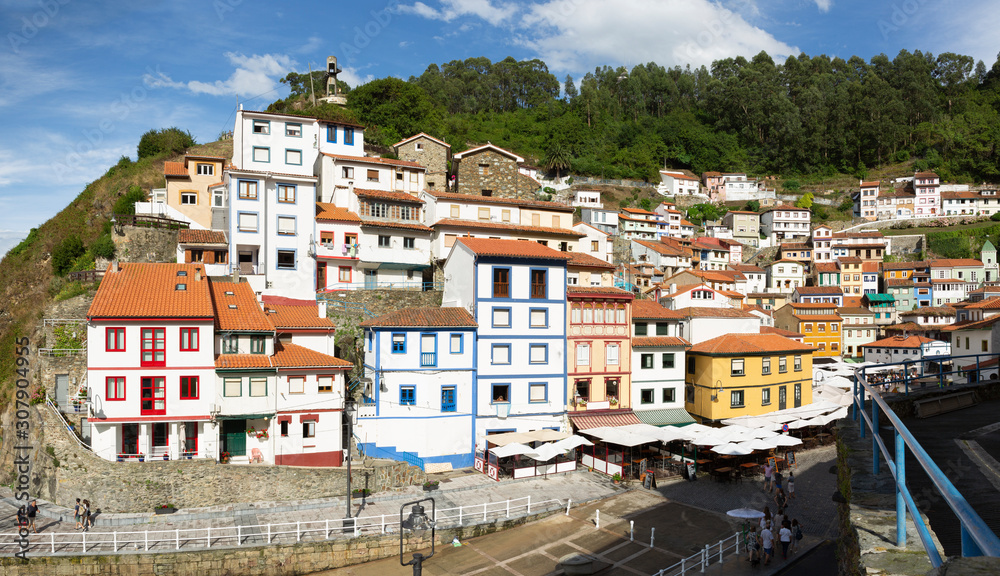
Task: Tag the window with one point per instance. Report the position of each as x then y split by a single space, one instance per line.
765 396
261 127
484 169
455 211
448 403
296 384
538 283
286 225
153 396
344 274
286 193
428 350
611 387
668 395
501 282
690 365
347 172
611 355
246 221
331 134
384 241
821 327
538 318
205 169
232 387
258 386
309 429
261 154
583 354
537 392
598 314
189 198
765 366
154 347
501 317
293 130
409 243
293 157
985 347
736 399
505 215
736 367
782 364
484 213
588 314
500 393
115 388
646 361
456 344
668 360
248 189
798 363
257 344
284 427
807 327
349 136
834 328
115 339
538 354
324 384
286 260
230 344
189 387
407 395
583 388
641 329
372 175
501 354
398 343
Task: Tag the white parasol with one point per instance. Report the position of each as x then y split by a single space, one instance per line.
572 442
731 449
511 449
748 513
756 444
782 440
545 452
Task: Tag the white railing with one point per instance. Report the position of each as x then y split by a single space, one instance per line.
61 351
263 534
66 424
704 558
46 322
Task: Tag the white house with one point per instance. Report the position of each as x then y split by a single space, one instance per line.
595 242
785 276
422 395
898 349
337 254
587 199
700 295
822 240
602 219
868 199
676 182
698 324
756 277
927 189
785 223
516 291
208 247
658 380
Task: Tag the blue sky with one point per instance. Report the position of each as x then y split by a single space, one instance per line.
80 82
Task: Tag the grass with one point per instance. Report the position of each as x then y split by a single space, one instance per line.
932 229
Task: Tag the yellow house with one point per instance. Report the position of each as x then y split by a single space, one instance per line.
747 375
195 187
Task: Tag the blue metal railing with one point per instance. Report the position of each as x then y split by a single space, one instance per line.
410 458
414 285
977 538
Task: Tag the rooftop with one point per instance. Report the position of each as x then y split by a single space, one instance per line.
499 201
192 236
330 213
450 317
651 310
142 290
735 344
375 160
658 341
912 341
511 249
236 307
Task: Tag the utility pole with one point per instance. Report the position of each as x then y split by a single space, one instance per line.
311 90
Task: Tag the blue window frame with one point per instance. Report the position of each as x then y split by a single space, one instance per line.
407 395
538 318
538 392
538 353
456 344
428 349
293 130
349 136
500 394
502 318
286 225
261 154
331 134
370 341
293 157
448 395
287 259
500 354
399 343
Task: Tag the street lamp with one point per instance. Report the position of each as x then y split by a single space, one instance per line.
418 523
349 409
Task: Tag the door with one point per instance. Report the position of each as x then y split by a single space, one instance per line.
371 279
798 395
781 397
234 437
321 276
62 391
85 430
130 439
160 440
246 263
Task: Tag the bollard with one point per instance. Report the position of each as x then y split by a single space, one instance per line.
147 540
652 536
597 523
208 537
568 504
720 551
737 537
683 569
508 507
239 535
631 530
177 539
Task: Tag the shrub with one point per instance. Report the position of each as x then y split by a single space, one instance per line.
792 185
103 247
125 204
25 244
66 253
166 140
995 218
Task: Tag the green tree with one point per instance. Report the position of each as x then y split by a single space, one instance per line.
752 206
805 201
65 253
557 157
125 204
398 108
103 247
166 140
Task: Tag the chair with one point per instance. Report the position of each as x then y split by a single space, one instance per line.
256 456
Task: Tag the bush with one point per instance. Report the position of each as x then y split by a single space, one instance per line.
126 203
166 140
995 218
25 244
103 247
66 253
792 185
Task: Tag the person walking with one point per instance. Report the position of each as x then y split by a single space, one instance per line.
768 471
796 534
86 516
765 520
78 515
22 517
753 547
32 512
791 485
777 480
767 541
785 536
780 498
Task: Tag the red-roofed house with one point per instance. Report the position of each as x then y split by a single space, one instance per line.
337 254
927 188
783 223
208 247
429 152
868 199
904 348
676 182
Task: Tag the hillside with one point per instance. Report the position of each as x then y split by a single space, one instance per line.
29 283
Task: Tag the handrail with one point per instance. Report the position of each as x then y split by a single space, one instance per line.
977 538
703 558
61 351
59 415
239 535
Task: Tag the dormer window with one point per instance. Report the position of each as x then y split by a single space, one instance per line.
182 273
180 287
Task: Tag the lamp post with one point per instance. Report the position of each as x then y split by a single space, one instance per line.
349 409
418 523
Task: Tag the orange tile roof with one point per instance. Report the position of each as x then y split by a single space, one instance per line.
327 212
651 310
826 267
925 175
480 225
818 317
903 265
236 307
638 211
899 281
288 355
832 290
990 304
913 341
239 361
664 248
589 291
736 344
780 332
955 262
384 195
701 312
391 224
742 268
143 290
285 316
869 183
499 201
946 310
449 317
418 135
374 160
658 341
869 266
191 236
174 169
587 261
511 248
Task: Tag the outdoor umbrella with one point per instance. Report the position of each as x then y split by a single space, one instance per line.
708 440
782 440
748 513
511 449
545 452
731 449
755 444
763 433
572 442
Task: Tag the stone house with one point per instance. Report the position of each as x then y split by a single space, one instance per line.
429 152
489 170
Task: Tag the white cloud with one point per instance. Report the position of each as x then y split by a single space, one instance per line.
451 9
254 75
824 5
313 44
353 77
581 34
405 43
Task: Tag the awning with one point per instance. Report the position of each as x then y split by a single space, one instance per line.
245 416
585 420
401 266
526 437
665 417
881 298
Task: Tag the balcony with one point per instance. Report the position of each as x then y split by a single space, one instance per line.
428 358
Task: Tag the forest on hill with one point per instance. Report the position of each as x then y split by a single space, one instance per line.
809 116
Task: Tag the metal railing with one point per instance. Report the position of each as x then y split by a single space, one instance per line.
86 275
977 538
703 559
46 322
61 351
412 285
146 221
410 458
343 307
69 428
265 534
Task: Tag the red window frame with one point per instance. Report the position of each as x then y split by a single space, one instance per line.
156 341
340 274
153 389
111 384
186 385
190 442
114 339
189 336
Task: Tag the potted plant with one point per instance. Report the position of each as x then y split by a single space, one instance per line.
431 485
612 401
166 456
142 457
581 403
121 457
262 434
362 492
225 457
617 478
165 509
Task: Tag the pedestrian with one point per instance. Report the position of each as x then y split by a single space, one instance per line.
778 519
796 535
768 470
78 515
791 485
22 517
767 541
785 536
86 516
777 480
765 520
753 547
32 512
780 498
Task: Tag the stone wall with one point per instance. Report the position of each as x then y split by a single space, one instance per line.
136 244
277 560
502 176
434 157
911 244
380 302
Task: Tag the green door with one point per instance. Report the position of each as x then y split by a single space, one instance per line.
234 437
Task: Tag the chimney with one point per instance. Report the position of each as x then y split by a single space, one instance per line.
321 308
197 274
236 274
673 288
